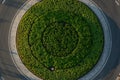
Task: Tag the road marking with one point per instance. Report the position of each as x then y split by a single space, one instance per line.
3 1
117 2
2 78
118 78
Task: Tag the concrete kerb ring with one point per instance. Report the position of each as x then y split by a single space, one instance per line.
89 76
12 40
107 41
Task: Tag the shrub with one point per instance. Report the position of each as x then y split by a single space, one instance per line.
59 39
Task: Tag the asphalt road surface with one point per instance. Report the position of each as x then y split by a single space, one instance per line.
8 8
112 10
8 70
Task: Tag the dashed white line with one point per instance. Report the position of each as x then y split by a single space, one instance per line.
3 1
117 2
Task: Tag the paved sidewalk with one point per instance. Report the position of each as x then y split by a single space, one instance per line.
93 73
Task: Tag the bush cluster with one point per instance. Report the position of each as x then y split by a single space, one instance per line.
59 39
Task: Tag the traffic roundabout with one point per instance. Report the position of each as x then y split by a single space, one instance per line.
60 43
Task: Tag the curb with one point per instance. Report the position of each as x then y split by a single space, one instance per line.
12 40
90 75
107 41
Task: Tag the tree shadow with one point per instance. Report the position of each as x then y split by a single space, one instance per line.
114 59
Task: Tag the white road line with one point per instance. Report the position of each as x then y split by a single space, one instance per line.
117 2
3 1
2 78
118 78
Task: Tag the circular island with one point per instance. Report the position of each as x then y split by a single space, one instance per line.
59 39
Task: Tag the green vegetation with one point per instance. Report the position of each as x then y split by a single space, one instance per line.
59 39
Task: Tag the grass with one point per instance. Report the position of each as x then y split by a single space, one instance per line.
59 39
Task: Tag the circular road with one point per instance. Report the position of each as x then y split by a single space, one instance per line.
8 9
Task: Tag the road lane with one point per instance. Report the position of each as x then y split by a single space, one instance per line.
7 68
112 11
